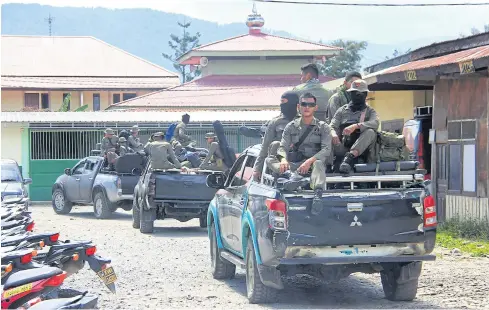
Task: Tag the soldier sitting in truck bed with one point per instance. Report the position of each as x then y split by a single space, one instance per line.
161 154
354 127
214 159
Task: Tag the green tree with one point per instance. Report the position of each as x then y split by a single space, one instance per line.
65 107
348 59
180 46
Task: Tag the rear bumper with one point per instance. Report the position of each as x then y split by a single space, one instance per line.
356 260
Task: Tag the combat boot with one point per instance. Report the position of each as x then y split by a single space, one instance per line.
317 204
346 165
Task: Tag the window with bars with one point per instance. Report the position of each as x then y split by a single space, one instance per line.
462 171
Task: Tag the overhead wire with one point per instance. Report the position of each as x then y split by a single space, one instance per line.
375 4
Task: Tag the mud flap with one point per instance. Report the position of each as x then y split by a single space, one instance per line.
96 262
270 276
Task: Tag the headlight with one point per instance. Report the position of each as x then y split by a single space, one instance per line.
12 196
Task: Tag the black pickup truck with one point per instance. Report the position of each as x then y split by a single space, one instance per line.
173 193
371 222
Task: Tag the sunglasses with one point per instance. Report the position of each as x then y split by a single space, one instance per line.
308 104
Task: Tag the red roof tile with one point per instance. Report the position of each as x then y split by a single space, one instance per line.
220 91
471 54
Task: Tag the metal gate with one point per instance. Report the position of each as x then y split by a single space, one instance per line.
53 150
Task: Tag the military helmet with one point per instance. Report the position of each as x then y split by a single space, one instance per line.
122 139
135 128
210 135
109 131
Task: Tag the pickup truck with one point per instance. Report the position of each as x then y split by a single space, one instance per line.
381 222
13 184
172 193
88 182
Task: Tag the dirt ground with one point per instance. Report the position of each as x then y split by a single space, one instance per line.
171 269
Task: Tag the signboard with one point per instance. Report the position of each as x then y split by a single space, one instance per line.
410 75
466 67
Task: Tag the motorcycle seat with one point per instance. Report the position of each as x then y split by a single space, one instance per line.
30 275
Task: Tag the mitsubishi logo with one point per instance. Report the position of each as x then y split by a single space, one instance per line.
355 222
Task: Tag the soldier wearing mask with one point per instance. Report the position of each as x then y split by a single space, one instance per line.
354 127
181 135
305 146
274 130
161 154
311 84
109 141
214 159
342 96
133 141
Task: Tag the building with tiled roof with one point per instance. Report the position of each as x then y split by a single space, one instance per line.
38 72
247 72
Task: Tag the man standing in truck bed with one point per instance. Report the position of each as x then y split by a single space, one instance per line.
342 96
305 144
354 127
311 84
181 132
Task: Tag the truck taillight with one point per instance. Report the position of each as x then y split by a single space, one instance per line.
277 213
429 212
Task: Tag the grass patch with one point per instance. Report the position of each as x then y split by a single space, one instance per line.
468 236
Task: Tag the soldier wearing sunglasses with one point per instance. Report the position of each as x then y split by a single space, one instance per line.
304 149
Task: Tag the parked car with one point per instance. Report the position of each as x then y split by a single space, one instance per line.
13 184
377 223
88 182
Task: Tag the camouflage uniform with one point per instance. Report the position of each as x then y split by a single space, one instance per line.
133 141
322 95
108 142
181 135
160 152
214 159
123 150
271 141
317 144
339 99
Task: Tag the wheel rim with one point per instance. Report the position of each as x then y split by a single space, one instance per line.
98 206
250 274
213 251
59 201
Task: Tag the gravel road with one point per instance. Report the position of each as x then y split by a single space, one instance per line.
171 269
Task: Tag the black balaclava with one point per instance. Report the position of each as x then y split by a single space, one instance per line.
185 118
358 100
289 109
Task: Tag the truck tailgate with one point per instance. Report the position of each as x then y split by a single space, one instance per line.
175 186
356 218
128 182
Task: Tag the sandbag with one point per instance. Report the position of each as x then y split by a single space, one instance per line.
126 163
228 153
387 166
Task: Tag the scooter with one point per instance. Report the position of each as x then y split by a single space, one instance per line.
82 301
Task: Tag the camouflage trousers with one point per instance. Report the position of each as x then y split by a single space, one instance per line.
211 162
365 142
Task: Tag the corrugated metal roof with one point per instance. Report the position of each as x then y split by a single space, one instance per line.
470 54
92 83
72 56
131 117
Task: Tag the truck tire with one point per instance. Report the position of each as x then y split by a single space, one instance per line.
146 227
401 283
59 202
102 208
256 291
136 218
221 269
203 221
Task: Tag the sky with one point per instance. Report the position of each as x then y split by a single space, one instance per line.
382 25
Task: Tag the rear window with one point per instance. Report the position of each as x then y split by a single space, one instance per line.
10 173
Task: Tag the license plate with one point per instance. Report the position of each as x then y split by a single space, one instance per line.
107 275
17 290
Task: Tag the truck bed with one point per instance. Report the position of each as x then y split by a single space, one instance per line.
180 187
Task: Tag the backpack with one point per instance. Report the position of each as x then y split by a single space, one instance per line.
124 133
390 146
169 133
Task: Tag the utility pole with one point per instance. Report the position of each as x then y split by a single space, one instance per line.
50 23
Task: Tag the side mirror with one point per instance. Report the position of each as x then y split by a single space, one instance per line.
67 171
136 171
27 181
216 180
